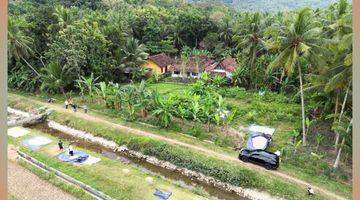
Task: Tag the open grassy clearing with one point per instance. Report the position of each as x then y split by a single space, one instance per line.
80 124
118 180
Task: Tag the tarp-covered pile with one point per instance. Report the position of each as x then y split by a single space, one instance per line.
78 157
260 138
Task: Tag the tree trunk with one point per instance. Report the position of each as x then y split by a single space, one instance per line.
31 67
340 116
302 107
282 77
337 160
336 104
62 90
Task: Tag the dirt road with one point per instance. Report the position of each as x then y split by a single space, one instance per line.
208 152
24 185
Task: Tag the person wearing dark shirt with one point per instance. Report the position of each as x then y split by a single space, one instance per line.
60 144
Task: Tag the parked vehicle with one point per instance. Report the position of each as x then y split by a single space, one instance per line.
267 159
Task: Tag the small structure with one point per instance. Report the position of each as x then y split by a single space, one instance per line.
158 63
225 68
178 69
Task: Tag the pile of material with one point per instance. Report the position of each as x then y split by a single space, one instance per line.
261 137
78 157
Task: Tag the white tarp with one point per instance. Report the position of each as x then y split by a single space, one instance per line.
90 160
36 142
17 131
261 129
259 142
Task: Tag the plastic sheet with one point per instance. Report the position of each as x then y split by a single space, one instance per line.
36 142
78 157
162 195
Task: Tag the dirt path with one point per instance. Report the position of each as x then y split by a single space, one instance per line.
208 152
24 185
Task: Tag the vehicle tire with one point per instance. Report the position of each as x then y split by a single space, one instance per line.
244 158
268 167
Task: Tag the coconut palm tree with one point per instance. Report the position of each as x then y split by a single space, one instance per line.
18 42
346 131
249 37
56 78
299 41
65 16
226 32
133 54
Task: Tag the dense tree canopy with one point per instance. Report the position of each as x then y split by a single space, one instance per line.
306 51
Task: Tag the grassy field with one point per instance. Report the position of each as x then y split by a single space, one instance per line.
118 180
280 135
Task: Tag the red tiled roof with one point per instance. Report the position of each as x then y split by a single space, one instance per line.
161 59
229 64
205 63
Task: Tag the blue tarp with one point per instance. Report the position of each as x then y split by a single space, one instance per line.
78 157
36 142
162 195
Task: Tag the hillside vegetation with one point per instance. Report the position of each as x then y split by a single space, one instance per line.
292 71
267 5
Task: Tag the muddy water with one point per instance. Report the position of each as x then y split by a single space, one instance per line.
141 164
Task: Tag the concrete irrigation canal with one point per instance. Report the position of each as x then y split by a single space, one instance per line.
109 149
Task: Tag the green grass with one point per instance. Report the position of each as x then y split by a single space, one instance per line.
11 197
280 138
224 171
106 176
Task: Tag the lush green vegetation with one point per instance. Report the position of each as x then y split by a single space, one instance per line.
308 168
294 70
226 172
266 6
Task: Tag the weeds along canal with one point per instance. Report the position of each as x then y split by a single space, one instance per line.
181 179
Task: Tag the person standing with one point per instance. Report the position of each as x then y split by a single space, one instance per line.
85 109
66 104
310 191
71 151
60 144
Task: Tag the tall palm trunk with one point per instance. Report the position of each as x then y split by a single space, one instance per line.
340 116
302 107
31 67
336 104
62 90
337 160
